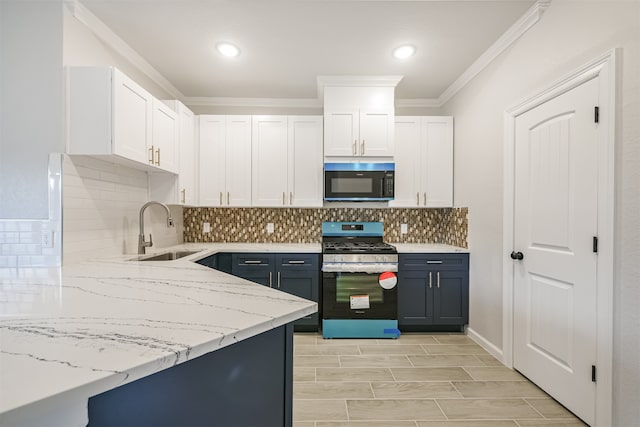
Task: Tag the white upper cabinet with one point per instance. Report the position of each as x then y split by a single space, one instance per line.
287 161
110 114
164 142
225 160
180 189
359 120
424 162
358 133
305 168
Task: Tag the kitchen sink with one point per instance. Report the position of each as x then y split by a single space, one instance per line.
165 256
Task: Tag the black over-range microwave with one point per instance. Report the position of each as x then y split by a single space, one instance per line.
358 182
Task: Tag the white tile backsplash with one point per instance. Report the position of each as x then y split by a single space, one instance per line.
101 205
21 240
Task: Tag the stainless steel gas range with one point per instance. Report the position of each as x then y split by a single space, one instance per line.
359 282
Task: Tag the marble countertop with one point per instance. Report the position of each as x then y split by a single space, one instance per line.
73 332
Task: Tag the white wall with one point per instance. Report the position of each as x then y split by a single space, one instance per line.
570 34
31 104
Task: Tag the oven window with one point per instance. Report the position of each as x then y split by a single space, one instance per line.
351 185
358 284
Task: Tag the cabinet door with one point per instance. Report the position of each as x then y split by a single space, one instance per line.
238 161
376 133
407 160
437 172
187 155
415 297
341 133
211 158
451 297
299 274
132 116
269 159
305 177
255 267
165 137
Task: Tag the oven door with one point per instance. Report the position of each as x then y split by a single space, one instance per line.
357 296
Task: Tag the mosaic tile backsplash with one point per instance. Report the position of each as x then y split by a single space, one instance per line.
304 225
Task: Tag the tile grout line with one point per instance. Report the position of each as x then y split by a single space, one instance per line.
441 410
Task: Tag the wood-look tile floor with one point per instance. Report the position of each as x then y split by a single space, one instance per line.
418 380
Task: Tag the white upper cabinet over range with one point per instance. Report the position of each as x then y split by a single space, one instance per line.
424 162
359 117
225 160
110 114
287 161
364 133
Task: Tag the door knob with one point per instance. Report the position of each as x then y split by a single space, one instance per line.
517 255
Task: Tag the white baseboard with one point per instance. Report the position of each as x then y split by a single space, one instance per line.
486 344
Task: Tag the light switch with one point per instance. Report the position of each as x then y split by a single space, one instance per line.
403 229
270 227
206 227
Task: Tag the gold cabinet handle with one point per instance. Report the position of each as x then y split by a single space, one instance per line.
355 146
438 279
152 155
158 159
417 198
278 280
221 198
430 281
425 198
228 198
184 195
270 279
362 148
291 197
284 200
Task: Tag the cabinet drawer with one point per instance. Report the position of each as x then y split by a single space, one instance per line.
304 261
249 260
434 261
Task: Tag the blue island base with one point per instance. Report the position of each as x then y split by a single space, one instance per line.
360 328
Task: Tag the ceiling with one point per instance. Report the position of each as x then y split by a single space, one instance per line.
286 44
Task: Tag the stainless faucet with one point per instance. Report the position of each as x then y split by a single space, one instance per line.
141 242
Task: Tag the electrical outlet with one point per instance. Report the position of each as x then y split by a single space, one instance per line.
47 239
206 227
270 227
403 229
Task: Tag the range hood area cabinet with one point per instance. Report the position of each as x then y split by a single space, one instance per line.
286 157
424 162
224 160
359 121
111 115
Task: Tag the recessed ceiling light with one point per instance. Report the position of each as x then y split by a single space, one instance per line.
403 52
227 49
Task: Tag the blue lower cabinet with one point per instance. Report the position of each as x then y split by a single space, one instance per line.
246 384
296 274
433 292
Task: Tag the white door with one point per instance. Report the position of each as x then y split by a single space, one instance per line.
305 177
341 133
269 159
555 223
238 161
211 155
376 133
437 170
407 160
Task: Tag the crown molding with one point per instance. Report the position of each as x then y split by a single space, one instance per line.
102 31
418 103
253 102
521 26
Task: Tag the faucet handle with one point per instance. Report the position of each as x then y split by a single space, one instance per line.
150 242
